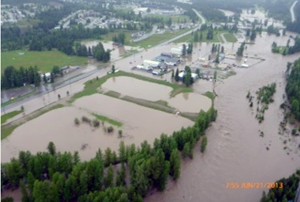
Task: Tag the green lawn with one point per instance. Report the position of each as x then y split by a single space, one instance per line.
230 37
9 115
157 39
44 60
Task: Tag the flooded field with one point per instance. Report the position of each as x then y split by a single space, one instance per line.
184 102
236 152
139 124
138 88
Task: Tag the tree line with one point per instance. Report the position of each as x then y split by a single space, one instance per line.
286 190
13 77
293 89
126 176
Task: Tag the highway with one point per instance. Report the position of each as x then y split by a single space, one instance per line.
292 11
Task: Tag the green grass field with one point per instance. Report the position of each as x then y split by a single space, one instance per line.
230 37
44 60
157 39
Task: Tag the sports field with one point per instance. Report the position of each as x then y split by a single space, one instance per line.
44 60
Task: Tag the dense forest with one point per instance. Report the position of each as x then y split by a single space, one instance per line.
128 176
293 89
285 194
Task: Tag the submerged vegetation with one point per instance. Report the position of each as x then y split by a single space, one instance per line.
264 98
128 176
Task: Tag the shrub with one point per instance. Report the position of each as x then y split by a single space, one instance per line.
203 144
96 123
86 119
120 133
110 129
76 121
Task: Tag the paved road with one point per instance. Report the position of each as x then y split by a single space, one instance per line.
77 84
292 11
145 36
203 21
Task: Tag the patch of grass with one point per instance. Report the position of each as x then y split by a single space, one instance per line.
230 37
44 60
112 94
9 115
5 132
92 86
108 120
210 95
158 38
7 129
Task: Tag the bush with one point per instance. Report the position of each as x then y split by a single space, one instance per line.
203 144
76 121
86 119
110 129
120 133
96 123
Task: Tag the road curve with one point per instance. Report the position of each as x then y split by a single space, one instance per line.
292 11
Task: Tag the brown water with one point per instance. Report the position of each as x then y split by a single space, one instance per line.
140 124
236 152
184 102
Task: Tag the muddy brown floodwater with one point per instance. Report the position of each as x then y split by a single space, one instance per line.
236 152
184 102
139 124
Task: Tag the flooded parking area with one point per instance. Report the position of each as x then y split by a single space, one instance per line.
139 124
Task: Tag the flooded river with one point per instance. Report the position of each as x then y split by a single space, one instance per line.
236 152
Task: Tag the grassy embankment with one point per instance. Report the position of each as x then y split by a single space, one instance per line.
7 129
44 60
9 115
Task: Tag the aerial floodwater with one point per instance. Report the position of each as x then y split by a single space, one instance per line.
236 153
172 122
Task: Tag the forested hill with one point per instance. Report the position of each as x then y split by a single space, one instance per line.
293 89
